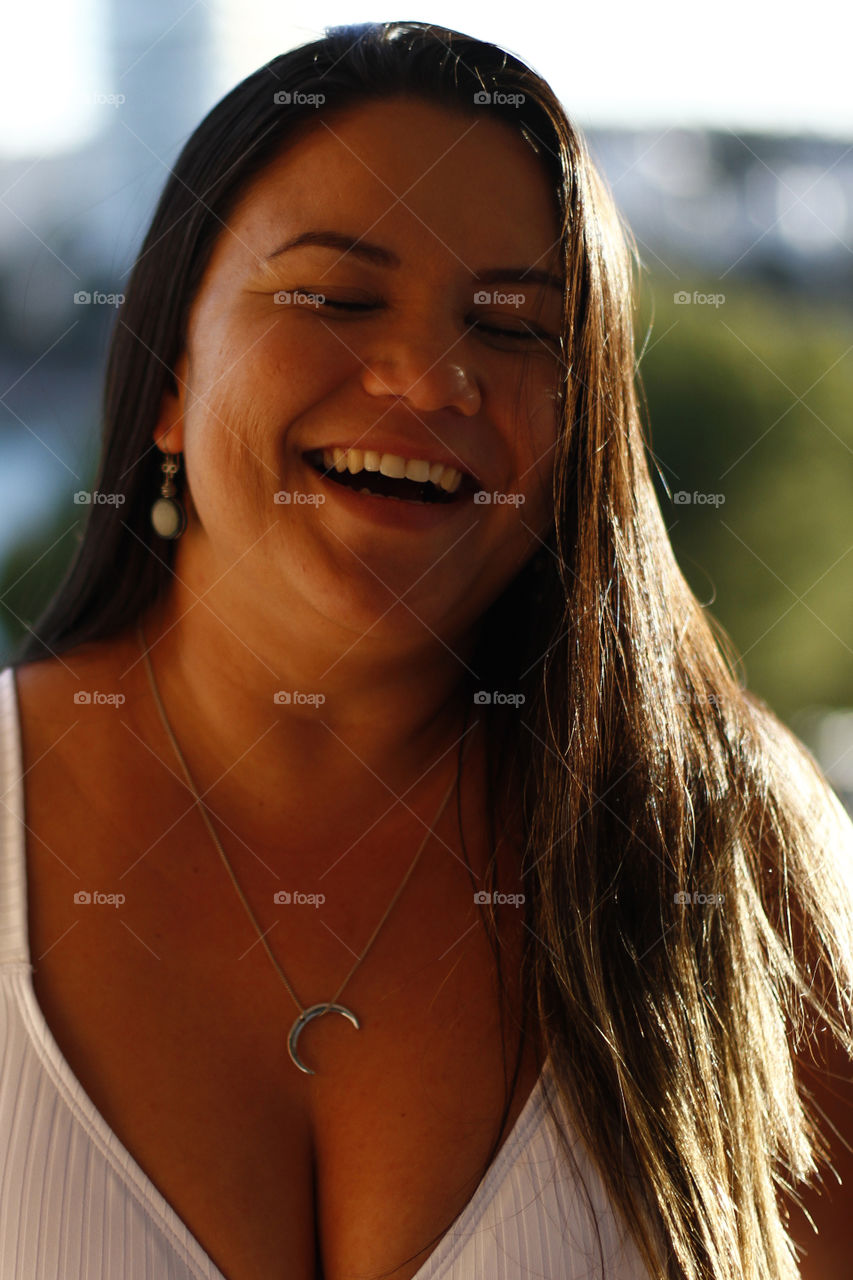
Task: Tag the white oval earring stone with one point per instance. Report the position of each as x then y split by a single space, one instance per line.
168 518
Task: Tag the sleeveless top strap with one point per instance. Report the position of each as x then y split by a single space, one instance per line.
14 943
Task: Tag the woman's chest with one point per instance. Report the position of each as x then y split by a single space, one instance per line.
176 1024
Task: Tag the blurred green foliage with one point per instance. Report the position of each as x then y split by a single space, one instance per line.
750 400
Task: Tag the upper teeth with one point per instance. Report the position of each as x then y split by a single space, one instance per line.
392 465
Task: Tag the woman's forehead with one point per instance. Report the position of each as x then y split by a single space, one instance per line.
417 175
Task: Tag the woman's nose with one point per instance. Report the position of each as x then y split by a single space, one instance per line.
425 374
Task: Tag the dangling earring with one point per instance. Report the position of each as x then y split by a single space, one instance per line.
167 514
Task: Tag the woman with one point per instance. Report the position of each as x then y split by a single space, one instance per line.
477 770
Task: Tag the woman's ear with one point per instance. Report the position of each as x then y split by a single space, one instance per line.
169 431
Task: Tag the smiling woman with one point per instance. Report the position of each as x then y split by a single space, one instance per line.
376 357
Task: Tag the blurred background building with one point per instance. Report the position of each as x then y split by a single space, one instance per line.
739 193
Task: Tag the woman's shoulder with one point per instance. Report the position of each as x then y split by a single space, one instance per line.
81 770
53 690
68 707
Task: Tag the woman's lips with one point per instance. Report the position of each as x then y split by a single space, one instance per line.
390 512
379 484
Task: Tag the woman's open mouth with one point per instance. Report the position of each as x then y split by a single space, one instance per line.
393 477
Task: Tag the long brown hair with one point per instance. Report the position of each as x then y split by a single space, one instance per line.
690 906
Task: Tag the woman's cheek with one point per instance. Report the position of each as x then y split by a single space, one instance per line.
306 359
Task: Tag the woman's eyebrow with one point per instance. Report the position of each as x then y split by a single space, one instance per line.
382 257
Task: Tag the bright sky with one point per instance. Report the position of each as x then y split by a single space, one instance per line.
619 62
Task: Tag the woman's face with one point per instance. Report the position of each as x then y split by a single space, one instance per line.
428 360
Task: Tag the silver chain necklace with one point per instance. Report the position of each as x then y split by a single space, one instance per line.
316 1010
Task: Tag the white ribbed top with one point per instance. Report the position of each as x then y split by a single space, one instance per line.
75 1205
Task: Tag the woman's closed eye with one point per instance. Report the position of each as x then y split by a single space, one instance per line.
316 299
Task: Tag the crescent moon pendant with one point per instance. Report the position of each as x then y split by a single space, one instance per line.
316 1011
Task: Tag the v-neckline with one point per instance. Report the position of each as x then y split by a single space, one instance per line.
78 1100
